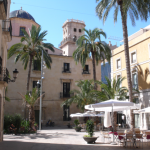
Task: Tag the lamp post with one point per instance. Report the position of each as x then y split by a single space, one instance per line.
40 112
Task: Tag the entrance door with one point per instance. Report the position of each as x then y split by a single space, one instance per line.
66 89
37 116
66 113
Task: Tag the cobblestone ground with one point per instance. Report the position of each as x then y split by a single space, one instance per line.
56 139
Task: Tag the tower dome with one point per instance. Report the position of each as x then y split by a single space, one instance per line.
21 14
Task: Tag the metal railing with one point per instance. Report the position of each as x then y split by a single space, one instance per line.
68 39
4 74
6 26
5 5
85 71
66 70
68 95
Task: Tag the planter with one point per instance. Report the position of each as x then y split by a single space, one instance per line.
90 140
78 129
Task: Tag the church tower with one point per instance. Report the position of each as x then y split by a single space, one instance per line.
72 30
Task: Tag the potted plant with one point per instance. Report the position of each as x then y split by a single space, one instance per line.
90 130
77 128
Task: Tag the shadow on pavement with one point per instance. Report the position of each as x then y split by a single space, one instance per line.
17 145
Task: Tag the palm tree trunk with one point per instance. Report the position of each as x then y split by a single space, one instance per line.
127 58
94 70
28 81
29 72
115 121
32 117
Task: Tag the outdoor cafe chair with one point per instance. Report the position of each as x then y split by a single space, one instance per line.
105 136
139 139
147 135
128 138
120 138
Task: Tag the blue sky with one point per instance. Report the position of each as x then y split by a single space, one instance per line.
51 14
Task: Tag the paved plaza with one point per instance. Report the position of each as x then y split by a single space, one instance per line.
56 139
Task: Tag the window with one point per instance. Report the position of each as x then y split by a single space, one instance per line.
46 51
135 81
64 52
37 65
79 30
75 29
21 32
34 84
118 63
66 67
117 77
86 69
66 113
133 57
136 100
66 89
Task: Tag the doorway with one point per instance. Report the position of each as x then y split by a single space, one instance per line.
36 116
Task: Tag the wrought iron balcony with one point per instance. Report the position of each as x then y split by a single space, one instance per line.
3 9
68 95
64 70
85 71
69 39
4 74
7 29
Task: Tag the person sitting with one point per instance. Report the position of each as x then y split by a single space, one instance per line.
12 128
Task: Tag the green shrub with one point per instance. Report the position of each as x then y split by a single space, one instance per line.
76 122
17 121
26 125
8 119
90 127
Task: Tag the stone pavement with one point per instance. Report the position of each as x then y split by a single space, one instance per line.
56 139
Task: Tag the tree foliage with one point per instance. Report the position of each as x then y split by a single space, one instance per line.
83 96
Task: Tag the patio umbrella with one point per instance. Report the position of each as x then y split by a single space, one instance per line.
111 105
76 115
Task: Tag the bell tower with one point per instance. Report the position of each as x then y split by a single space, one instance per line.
72 30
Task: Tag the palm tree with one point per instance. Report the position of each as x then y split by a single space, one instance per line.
83 96
90 43
112 90
135 9
31 48
31 99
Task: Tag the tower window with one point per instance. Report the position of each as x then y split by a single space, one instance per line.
79 30
21 32
75 29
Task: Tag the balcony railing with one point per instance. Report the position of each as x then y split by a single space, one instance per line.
4 74
7 27
69 39
3 4
85 71
66 70
63 95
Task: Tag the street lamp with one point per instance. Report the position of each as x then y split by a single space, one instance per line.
15 75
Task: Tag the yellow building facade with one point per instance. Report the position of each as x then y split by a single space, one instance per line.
139 53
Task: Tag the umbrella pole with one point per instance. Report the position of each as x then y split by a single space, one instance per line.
113 143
